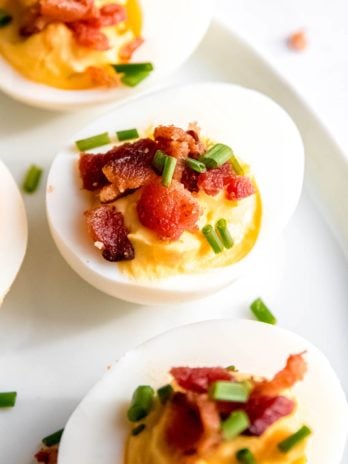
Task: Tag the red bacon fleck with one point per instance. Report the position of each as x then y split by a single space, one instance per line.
189 179
109 15
126 51
214 180
90 167
239 187
210 420
263 411
198 379
67 11
168 211
106 225
47 455
101 77
293 372
90 36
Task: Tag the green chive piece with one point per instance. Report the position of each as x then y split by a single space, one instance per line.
128 134
133 78
8 399
217 155
234 425
236 166
262 313
5 18
133 67
53 439
245 456
232 368
230 391
222 229
212 238
196 165
168 170
138 429
158 160
164 393
287 444
141 404
93 142
32 179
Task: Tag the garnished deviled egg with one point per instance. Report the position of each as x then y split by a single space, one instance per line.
253 393
64 55
186 207
13 230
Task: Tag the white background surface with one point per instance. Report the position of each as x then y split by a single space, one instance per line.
320 73
58 334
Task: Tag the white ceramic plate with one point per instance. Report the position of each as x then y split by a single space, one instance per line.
260 133
172 30
13 230
96 432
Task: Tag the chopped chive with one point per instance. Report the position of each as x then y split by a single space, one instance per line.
141 404
127 134
5 18
230 391
234 425
212 238
196 165
93 142
262 313
8 399
216 156
164 393
232 368
32 179
236 166
168 170
133 67
53 439
287 444
132 79
245 456
138 429
222 229
158 160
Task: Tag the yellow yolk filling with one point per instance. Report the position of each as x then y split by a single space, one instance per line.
53 57
191 253
149 447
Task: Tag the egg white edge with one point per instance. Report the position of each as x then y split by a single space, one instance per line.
280 184
97 430
168 44
13 230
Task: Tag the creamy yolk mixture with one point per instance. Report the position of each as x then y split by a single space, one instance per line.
149 447
53 57
191 253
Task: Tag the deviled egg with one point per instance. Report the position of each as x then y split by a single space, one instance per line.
251 160
78 52
269 407
13 230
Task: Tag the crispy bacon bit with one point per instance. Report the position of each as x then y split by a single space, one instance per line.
67 11
239 187
210 420
132 169
168 211
190 179
184 427
47 455
109 15
198 379
214 180
106 225
178 143
263 411
127 50
102 77
91 166
109 193
293 372
90 37
298 41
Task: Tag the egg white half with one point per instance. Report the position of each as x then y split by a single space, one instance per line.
97 430
172 30
261 134
13 230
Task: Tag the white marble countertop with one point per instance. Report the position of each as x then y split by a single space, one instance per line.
320 73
